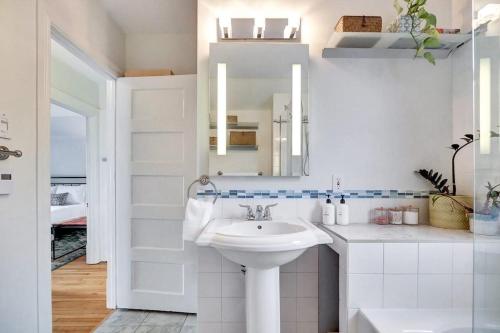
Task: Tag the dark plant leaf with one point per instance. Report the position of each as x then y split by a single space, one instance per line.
455 146
435 179
470 136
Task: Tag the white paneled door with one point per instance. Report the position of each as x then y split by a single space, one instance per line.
155 161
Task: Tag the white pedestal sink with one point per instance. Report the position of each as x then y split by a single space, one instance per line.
262 246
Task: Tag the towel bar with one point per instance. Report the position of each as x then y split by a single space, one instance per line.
204 180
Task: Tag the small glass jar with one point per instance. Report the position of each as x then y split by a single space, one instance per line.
395 216
410 216
380 216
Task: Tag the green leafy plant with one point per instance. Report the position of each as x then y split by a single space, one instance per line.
441 184
428 36
492 199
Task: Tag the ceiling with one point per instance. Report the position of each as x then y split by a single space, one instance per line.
153 16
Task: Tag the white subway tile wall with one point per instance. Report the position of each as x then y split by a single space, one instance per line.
400 290
435 258
413 275
401 258
434 291
366 258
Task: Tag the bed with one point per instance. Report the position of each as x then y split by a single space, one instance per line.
72 215
67 213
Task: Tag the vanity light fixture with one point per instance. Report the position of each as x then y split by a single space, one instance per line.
296 109
225 27
221 109
485 106
488 13
259 27
292 28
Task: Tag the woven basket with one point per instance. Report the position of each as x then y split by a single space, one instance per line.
444 213
359 24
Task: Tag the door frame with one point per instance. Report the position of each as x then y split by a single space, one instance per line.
45 32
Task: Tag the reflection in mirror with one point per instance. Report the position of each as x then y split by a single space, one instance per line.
259 124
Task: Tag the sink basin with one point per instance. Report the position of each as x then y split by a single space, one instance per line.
258 229
262 246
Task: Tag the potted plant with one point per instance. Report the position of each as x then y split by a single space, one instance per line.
411 19
484 221
446 208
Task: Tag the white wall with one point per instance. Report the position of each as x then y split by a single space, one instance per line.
72 89
87 24
162 50
68 146
18 211
372 121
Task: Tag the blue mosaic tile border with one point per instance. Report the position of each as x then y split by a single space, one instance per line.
316 194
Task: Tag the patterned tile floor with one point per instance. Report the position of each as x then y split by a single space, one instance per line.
133 321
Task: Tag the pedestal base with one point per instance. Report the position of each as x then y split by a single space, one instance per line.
263 300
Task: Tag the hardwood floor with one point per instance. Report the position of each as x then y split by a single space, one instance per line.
78 297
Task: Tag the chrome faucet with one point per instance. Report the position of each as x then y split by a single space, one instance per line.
250 214
261 213
267 212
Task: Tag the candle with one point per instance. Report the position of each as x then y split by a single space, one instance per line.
410 216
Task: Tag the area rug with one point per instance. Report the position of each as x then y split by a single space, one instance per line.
66 241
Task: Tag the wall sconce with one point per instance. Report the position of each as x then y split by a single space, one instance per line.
296 109
221 109
260 28
291 28
225 27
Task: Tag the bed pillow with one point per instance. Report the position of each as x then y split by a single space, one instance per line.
76 194
58 199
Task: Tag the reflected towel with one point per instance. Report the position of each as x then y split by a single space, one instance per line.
198 213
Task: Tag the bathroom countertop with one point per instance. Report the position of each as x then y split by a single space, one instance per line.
368 233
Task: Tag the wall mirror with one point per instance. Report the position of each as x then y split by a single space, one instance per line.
259 124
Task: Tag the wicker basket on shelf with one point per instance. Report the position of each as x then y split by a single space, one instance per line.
359 24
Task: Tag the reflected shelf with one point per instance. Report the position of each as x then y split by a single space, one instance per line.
242 126
238 147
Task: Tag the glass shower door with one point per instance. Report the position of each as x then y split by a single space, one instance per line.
487 166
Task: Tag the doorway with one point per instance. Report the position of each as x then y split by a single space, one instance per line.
82 189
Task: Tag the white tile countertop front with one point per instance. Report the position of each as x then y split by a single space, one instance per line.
370 233
400 267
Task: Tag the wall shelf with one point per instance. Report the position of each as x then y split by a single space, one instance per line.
386 45
238 147
238 126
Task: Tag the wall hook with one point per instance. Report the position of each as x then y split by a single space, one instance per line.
5 153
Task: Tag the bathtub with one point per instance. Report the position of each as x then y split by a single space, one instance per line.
417 321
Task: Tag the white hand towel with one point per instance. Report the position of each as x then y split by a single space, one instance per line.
198 213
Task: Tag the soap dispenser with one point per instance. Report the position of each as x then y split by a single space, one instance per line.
342 212
328 212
